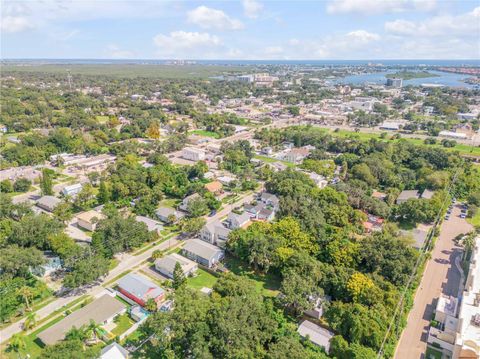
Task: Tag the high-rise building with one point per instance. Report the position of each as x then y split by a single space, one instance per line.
395 82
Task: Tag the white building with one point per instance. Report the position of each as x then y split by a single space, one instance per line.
467 343
455 135
72 190
193 154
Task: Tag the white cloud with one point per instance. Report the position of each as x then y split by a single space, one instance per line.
114 52
362 36
252 8
463 25
11 24
187 44
209 18
370 7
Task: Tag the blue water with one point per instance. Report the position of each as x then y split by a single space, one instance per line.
445 78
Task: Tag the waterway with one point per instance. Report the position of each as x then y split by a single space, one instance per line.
443 78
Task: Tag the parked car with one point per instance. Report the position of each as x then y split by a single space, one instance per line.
212 213
463 215
447 217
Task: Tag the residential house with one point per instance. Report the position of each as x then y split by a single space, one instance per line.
152 225
72 190
203 253
373 223
139 289
406 195
215 233
48 203
101 311
114 351
166 265
193 154
184 205
316 334
296 155
165 213
235 220
319 180
88 220
226 180
214 187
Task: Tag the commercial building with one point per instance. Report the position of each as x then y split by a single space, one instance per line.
193 154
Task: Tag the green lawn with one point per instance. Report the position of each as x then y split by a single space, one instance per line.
475 220
102 119
205 133
273 160
203 279
169 202
123 323
267 284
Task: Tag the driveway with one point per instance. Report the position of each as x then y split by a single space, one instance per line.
440 277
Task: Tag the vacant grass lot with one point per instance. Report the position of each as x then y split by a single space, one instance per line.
202 279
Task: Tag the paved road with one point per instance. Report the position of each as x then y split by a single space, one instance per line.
440 277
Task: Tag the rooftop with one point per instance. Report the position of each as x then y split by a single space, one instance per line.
316 334
99 310
201 248
140 286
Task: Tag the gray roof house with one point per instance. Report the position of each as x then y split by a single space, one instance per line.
406 195
203 253
316 334
48 203
237 220
163 214
270 199
166 265
140 289
184 205
101 311
215 233
152 225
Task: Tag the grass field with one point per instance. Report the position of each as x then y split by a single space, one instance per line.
364 136
123 323
102 119
202 279
475 220
130 70
205 133
273 160
267 284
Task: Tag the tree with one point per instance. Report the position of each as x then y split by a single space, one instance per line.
63 212
17 343
104 192
27 294
151 305
153 131
92 330
157 253
22 185
86 270
6 186
72 349
197 207
179 279
30 321
46 182
192 226
18 261
85 199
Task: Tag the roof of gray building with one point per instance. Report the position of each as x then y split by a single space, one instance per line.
48 201
316 334
201 248
168 262
140 286
152 224
408 194
99 311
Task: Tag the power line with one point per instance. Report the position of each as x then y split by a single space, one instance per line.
417 264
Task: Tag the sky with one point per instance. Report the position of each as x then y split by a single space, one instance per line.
243 29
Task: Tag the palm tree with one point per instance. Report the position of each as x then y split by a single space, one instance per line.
17 343
92 331
468 242
27 294
76 334
30 321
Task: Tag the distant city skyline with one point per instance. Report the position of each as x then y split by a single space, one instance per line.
247 30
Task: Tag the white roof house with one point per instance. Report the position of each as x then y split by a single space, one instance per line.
114 351
152 225
316 334
72 190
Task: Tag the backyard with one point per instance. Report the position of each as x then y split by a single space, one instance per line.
202 279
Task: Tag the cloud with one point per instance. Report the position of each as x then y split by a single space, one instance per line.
370 7
208 18
362 36
186 44
252 8
463 25
114 52
11 24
